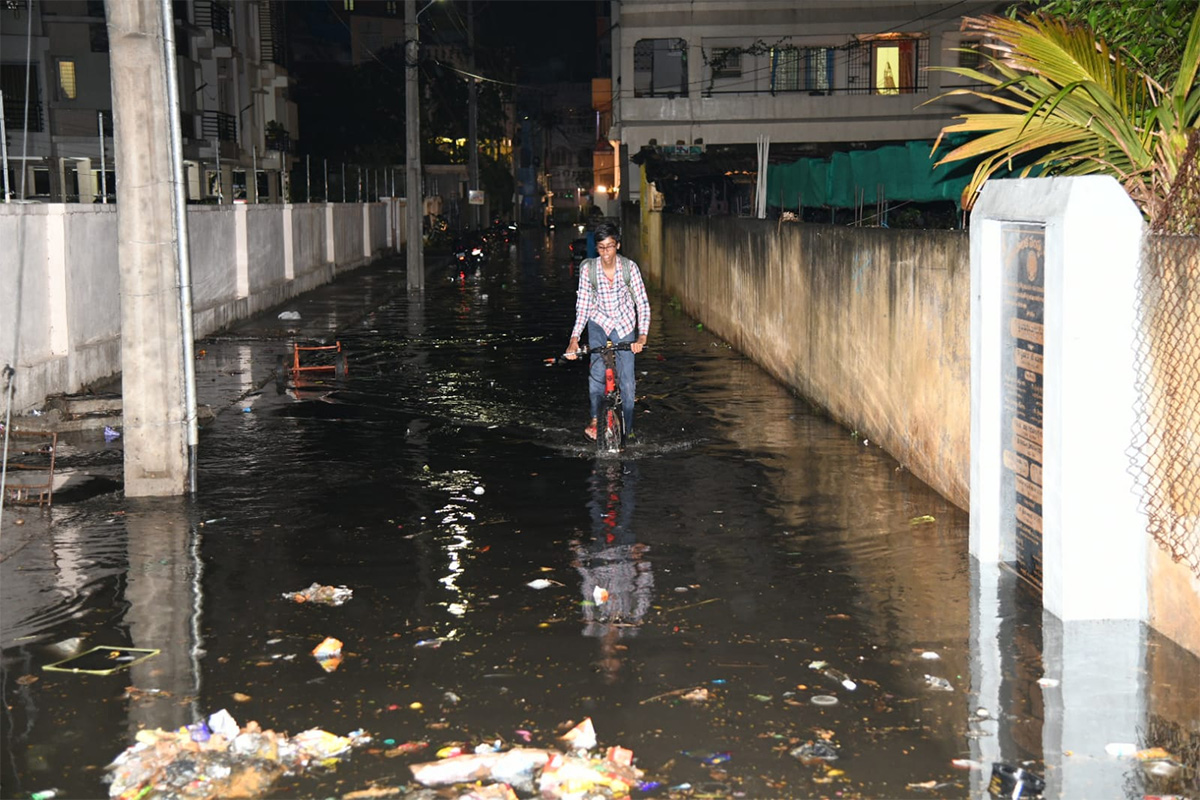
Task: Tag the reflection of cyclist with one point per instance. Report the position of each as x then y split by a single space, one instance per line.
612 304
617 583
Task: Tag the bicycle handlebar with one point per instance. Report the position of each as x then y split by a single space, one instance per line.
584 349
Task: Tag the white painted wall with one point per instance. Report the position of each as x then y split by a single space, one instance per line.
60 282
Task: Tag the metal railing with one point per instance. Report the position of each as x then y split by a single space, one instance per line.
219 125
215 15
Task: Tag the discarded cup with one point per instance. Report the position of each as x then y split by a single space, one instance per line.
823 700
1013 783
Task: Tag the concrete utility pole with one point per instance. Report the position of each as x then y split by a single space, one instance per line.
414 201
154 354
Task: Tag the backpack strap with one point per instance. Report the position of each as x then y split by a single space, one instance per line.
626 273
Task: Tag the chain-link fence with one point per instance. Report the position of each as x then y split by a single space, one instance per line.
1166 447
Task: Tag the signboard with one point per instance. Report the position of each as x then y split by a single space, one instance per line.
1022 384
475 197
680 152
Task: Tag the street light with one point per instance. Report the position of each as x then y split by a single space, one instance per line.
413 205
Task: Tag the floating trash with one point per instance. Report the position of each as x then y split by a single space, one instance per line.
324 595
823 700
1013 783
582 736
940 684
812 752
232 761
103 660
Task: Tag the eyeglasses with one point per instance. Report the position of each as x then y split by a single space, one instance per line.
609 246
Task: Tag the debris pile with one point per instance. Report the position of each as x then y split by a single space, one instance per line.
217 758
530 771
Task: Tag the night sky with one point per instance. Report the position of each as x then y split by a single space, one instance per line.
552 40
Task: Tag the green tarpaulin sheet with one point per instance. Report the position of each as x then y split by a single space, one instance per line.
904 172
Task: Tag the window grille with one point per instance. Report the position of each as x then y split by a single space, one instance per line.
865 60
660 68
727 62
13 84
808 69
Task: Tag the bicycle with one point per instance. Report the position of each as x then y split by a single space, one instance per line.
610 422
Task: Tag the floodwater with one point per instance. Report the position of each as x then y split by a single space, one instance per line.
748 578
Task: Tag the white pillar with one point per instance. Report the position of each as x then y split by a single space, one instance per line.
1073 372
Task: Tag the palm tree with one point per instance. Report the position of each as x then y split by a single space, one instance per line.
1077 107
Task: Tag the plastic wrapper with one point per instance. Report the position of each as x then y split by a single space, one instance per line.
323 595
516 767
575 775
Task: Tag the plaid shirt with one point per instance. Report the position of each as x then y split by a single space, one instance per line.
611 306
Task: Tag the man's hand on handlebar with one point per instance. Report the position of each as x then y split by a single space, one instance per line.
572 349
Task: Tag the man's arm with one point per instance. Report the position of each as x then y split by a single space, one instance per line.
584 305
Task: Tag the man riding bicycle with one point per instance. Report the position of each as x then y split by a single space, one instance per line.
611 303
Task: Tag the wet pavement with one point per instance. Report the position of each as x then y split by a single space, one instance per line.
747 581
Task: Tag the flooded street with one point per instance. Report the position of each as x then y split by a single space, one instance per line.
748 578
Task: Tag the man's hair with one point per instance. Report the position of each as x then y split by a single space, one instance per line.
606 230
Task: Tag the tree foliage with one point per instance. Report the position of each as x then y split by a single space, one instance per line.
1152 32
1072 105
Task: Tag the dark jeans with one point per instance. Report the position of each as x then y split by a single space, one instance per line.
625 379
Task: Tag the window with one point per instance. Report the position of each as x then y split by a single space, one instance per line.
660 68
802 69
888 65
66 79
970 55
726 62
12 84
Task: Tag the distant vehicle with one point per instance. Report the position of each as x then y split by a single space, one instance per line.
579 249
469 252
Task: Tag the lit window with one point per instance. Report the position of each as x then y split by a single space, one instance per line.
66 80
348 5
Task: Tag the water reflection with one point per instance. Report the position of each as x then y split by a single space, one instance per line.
617 581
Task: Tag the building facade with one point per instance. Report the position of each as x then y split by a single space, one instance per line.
238 122
689 75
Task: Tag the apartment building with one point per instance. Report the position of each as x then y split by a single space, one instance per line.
813 76
238 122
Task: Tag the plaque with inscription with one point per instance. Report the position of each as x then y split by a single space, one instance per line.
1022 318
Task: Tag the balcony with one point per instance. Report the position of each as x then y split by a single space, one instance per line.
218 125
215 15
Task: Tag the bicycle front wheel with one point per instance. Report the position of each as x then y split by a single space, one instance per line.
611 434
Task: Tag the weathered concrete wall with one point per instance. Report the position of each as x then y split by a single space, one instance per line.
213 255
308 238
347 234
264 246
871 324
60 312
377 218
